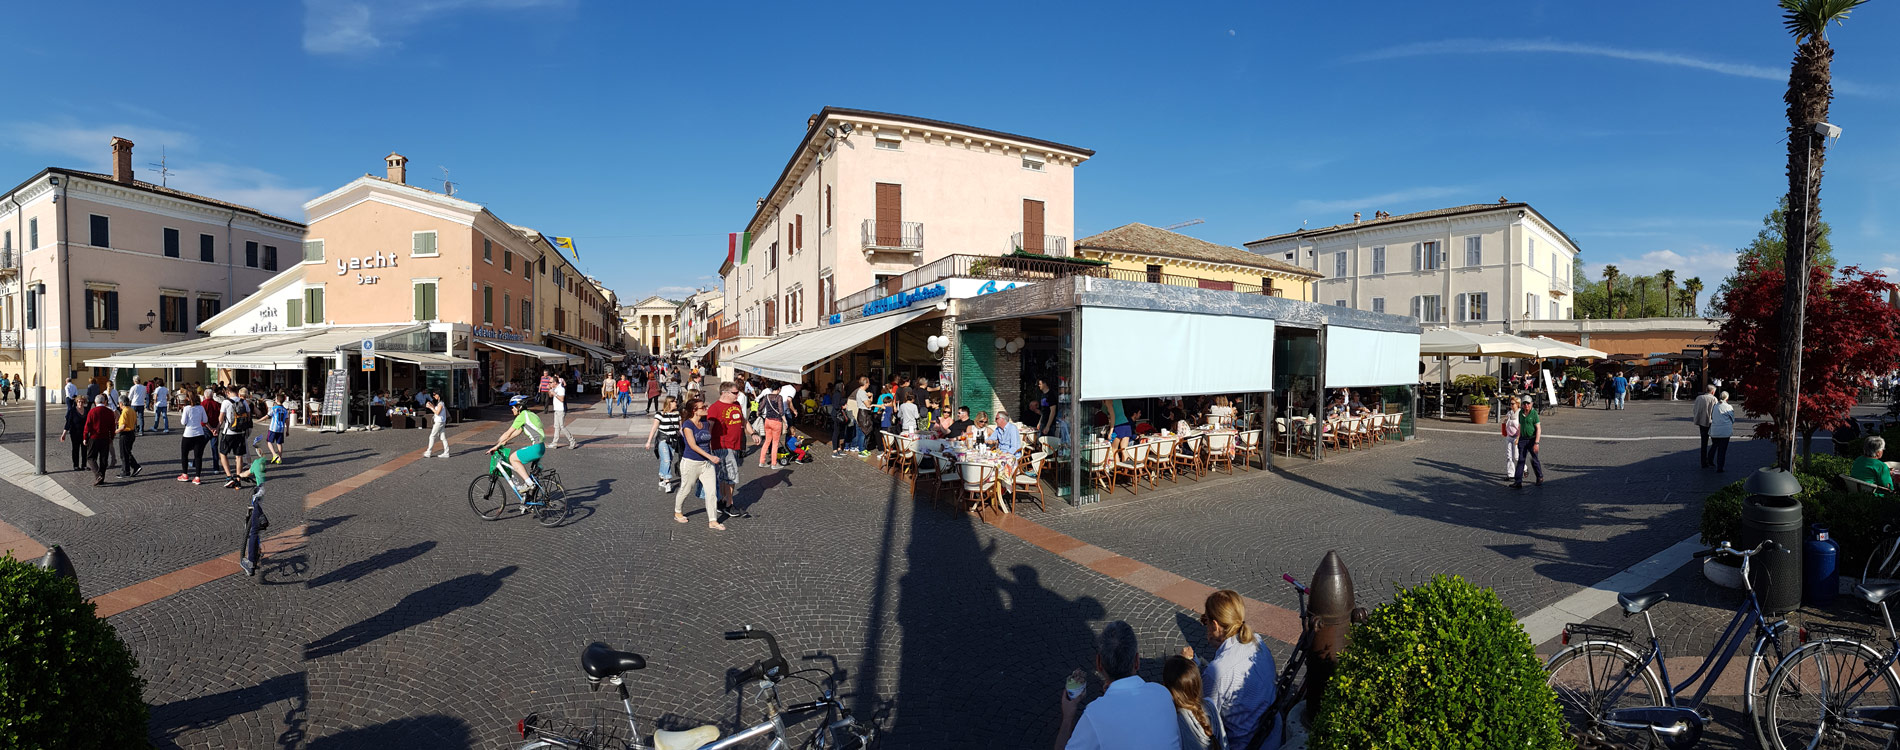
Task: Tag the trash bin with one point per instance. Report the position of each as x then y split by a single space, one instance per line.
1771 512
1821 580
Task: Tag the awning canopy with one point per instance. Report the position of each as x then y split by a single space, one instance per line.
1537 348
289 352
700 353
789 359
430 362
542 353
1453 342
180 353
591 349
1573 351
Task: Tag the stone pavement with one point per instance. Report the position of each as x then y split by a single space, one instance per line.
398 618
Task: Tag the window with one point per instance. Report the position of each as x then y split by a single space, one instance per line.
207 248
171 242
507 302
827 206
1553 310
7 242
209 305
508 261
488 304
1553 265
1474 250
312 250
1339 265
270 257
774 265
890 141
101 231
1425 256
293 313
1530 251
102 308
313 305
1339 303
560 279
527 315
423 244
1378 260
1378 304
172 314
527 268
1530 306
1033 162
250 255
1426 308
33 233
1473 307
425 300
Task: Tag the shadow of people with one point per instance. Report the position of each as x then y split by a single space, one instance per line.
177 717
366 566
431 731
416 608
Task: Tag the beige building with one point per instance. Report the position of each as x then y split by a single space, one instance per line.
577 315
650 326
125 264
1138 252
697 333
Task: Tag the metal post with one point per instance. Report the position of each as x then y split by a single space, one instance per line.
1319 395
39 373
1076 448
1801 298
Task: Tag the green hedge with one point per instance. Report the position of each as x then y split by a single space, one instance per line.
66 681
1853 519
1443 665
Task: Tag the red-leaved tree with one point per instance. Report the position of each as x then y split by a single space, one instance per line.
1852 333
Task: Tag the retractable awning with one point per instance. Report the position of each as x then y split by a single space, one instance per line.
789 359
289 352
542 353
430 362
181 353
592 349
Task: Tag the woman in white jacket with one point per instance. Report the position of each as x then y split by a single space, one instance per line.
1507 425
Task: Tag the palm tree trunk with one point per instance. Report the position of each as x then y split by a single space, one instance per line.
1809 91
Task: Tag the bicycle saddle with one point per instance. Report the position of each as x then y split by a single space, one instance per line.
601 661
1634 604
1878 593
690 739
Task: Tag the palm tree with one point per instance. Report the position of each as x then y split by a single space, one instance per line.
1691 288
1609 291
1668 277
1642 296
1810 91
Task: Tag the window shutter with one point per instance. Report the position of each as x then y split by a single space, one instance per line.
1415 309
421 307
1460 307
1484 306
91 321
112 311
1418 261
293 313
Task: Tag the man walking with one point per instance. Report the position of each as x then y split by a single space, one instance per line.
1704 411
729 431
138 394
1619 390
161 407
557 409
100 426
1529 436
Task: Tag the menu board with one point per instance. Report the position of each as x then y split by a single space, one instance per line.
333 388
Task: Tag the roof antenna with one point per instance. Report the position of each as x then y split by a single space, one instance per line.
448 188
1188 223
164 175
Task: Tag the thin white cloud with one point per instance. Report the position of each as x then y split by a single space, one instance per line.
360 27
1495 46
675 292
1711 264
88 147
1370 203
89 144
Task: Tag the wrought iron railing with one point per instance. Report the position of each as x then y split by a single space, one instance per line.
1050 244
10 340
968 266
1126 274
893 235
10 259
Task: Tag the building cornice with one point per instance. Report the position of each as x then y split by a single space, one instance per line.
113 194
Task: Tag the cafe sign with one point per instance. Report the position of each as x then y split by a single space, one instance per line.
902 300
378 260
486 332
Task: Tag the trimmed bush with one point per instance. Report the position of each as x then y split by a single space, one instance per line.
1443 665
1853 519
66 681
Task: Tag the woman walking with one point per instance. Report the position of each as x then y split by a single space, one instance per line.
664 438
1508 427
74 433
198 432
129 424
698 465
439 425
1721 428
773 410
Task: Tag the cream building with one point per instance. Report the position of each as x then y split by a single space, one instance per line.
695 314
1138 252
650 327
125 264
1484 267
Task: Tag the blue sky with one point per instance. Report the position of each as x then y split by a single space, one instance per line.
647 130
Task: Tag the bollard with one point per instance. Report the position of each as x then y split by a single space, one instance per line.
56 560
1330 614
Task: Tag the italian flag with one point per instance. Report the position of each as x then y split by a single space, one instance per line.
738 244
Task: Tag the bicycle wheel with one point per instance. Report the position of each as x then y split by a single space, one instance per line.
1768 655
1883 562
487 497
553 509
1813 695
1584 677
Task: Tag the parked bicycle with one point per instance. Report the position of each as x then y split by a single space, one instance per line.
839 730
1290 687
1610 692
1836 691
1883 563
493 494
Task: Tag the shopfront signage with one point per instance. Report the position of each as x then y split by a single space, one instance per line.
369 355
378 260
485 332
333 390
902 300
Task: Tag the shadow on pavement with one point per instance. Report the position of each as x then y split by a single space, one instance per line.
432 731
366 566
177 717
414 609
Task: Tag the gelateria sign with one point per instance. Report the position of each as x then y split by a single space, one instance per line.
378 260
485 332
902 300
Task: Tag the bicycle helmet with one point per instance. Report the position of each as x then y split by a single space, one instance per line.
517 401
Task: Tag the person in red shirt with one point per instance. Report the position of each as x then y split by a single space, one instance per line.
101 423
623 395
729 429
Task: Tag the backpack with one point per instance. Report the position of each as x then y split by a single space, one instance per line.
242 422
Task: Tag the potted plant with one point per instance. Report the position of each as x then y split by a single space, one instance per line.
1480 407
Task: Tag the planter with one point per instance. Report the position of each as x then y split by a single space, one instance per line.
1480 413
1722 574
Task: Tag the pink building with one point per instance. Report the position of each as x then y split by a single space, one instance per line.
124 264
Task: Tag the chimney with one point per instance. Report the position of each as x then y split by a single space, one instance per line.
121 160
1355 217
398 168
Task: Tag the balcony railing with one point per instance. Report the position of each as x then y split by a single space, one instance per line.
10 259
10 340
1560 283
906 236
967 266
1045 244
1187 281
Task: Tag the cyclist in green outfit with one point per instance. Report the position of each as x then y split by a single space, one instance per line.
529 423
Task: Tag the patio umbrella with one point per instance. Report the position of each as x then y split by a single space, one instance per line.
1447 342
1576 351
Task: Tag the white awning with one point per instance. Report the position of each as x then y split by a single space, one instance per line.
430 362
789 359
1574 351
1359 358
1448 341
595 350
1148 353
289 352
180 353
542 353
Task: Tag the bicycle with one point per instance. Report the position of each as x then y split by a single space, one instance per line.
487 498
1615 699
1826 680
840 731
1883 563
1290 687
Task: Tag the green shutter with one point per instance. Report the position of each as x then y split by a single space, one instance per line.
488 304
293 313
976 370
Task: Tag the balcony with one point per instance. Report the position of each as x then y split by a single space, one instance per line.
1041 244
893 236
10 340
1007 268
1188 281
1559 284
10 261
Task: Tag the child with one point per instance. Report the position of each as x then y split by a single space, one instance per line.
279 425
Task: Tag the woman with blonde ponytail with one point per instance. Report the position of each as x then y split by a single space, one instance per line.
1238 680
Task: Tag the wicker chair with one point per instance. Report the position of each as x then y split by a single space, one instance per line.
1095 462
1134 465
1028 481
1161 459
906 459
978 481
1187 455
1220 450
1248 448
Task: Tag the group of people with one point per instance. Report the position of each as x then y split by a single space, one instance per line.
1221 699
221 416
1715 419
12 387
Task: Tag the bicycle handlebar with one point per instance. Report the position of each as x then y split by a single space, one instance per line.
771 669
1288 577
1767 545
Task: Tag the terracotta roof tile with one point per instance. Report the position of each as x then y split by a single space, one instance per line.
1141 239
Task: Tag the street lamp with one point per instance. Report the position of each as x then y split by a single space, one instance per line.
150 318
1828 131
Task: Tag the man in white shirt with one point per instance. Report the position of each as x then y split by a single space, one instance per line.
72 391
161 407
557 398
138 394
1132 713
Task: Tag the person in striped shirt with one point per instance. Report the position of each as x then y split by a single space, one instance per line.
664 436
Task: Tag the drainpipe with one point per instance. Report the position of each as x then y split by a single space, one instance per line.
229 288
65 274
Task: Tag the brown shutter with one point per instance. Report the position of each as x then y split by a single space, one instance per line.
798 230
1032 226
827 206
890 214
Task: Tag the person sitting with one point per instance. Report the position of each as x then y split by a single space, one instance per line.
1238 680
1008 438
982 428
1869 468
1200 723
1131 713
959 426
